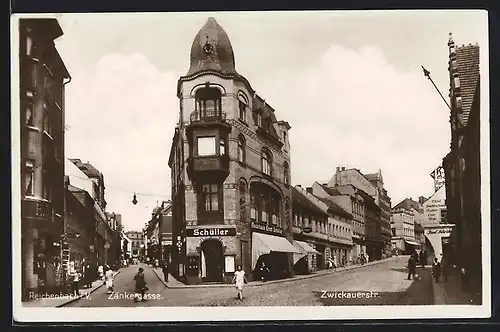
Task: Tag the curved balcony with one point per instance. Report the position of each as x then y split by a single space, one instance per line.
208 118
208 167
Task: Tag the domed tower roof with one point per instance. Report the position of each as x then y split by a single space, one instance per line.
212 50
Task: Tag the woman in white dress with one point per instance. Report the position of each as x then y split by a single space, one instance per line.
110 275
239 279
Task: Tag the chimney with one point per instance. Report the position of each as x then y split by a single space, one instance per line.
338 169
343 168
309 190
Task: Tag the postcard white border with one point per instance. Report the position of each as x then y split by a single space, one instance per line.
235 314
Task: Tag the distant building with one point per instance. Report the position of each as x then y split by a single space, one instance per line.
403 226
98 187
42 77
136 240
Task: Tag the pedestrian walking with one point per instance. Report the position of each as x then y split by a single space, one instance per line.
240 279
100 271
140 286
264 272
334 261
412 267
75 285
87 275
422 258
109 277
165 271
436 269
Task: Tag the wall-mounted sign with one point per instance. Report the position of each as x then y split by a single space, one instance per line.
210 231
266 228
431 231
438 176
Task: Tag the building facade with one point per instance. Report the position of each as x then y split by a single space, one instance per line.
462 164
43 76
136 242
230 162
403 238
383 200
372 190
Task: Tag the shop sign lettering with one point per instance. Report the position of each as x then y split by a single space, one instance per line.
438 231
211 231
266 228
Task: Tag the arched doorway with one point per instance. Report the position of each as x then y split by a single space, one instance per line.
211 261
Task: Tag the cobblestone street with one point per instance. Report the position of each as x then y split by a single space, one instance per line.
387 279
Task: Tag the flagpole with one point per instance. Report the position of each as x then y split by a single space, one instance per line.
428 75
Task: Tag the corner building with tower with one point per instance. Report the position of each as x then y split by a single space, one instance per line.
230 172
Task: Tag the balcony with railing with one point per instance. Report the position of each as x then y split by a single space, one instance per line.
211 115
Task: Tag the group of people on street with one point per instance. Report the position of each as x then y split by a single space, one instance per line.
439 267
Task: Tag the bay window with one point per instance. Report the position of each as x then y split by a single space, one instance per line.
206 146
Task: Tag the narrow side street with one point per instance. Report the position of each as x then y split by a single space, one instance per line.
388 279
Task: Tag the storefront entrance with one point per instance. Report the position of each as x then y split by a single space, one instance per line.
212 261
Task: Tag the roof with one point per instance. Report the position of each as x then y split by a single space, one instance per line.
212 50
408 204
468 73
369 201
371 176
298 198
331 191
333 207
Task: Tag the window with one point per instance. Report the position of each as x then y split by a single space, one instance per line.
243 201
265 205
286 174
208 102
241 149
46 119
29 114
284 137
46 185
211 197
222 148
266 163
243 111
29 179
259 120
206 146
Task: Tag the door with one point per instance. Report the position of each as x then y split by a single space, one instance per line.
212 253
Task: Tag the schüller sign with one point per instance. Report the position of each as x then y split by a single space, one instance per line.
210 231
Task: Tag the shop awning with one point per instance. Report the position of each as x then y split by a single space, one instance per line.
304 248
264 244
412 243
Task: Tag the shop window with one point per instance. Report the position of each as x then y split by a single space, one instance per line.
241 149
206 146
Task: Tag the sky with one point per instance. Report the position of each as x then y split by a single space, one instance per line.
349 83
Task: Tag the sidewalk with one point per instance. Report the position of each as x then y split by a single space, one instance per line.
175 284
451 292
60 300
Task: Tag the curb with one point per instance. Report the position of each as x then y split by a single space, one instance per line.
83 295
308 276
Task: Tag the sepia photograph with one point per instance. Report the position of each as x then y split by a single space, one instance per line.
306 165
